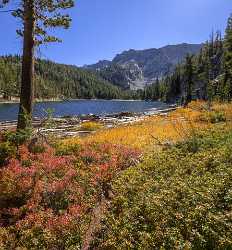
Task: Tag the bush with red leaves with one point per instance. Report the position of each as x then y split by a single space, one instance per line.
46 200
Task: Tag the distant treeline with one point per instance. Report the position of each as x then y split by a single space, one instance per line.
53 80
207 75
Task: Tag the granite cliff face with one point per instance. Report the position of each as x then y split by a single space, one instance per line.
134 69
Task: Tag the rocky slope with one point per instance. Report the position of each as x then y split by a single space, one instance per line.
135 69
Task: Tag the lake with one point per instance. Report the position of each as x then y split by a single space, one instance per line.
9 112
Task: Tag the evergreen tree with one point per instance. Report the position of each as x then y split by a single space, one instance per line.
156 95
174 85
188 73
228 59
37 16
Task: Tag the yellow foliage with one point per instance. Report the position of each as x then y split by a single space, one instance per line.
157 129
197 105
147 133
224 107
203 107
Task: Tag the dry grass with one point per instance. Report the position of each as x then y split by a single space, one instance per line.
145 134
224 107
157 129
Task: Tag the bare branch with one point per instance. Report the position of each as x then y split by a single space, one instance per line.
7 11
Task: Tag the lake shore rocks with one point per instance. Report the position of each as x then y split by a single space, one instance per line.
71 126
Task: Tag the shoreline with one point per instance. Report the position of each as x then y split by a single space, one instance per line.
148 112
16 101
66 126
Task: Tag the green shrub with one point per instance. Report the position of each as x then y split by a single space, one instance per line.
17 138
38 149
6 151
67 149
174 200
91 126
213 116
11 140
191 145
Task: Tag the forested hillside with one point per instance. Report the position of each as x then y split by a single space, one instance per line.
54 80
205 76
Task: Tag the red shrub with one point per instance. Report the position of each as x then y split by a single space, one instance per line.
48 197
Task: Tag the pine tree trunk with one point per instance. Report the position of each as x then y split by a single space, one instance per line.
27 85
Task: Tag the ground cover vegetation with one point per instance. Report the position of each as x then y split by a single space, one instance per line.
177 199
171 191
48 193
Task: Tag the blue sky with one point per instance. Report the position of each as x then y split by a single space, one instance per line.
103 28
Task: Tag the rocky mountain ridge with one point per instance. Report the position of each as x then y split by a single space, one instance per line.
134 69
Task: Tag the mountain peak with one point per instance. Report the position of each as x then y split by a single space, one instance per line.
137 68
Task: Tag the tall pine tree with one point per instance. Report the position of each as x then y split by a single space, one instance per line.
37 17
189 82
228 59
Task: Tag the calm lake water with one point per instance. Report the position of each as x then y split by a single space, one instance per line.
81 107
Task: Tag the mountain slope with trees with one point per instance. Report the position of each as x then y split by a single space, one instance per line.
53 80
